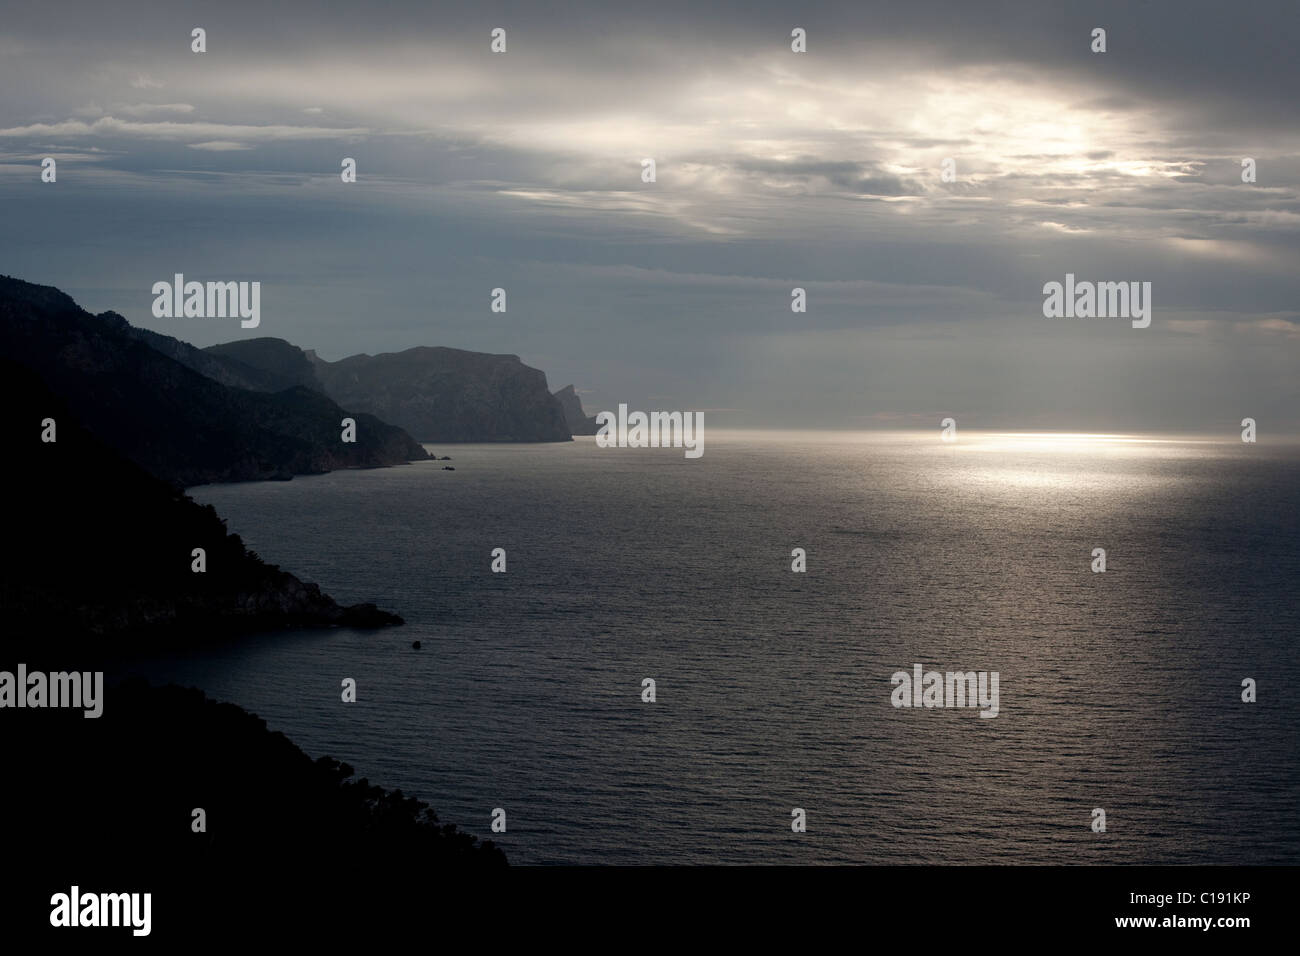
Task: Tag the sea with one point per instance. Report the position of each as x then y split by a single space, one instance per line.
1123 731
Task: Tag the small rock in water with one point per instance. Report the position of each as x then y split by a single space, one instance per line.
448 468
416 645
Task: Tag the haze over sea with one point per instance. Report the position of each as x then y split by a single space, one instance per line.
1119 690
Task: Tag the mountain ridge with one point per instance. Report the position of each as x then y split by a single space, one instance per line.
437 393
139 391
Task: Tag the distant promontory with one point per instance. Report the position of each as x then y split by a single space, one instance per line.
436 394
579 422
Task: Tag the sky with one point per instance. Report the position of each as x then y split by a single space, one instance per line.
774 170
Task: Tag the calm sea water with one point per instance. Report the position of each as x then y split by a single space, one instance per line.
1118 690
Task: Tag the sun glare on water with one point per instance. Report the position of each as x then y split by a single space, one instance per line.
1056 441
1069 461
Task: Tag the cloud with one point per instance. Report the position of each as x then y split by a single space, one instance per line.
111 126
1272 326
1062 227
137 110
78 156
775 169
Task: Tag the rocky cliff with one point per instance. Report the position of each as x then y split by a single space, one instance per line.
448 395
141 395
100 554
578 421
279 363
436 394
